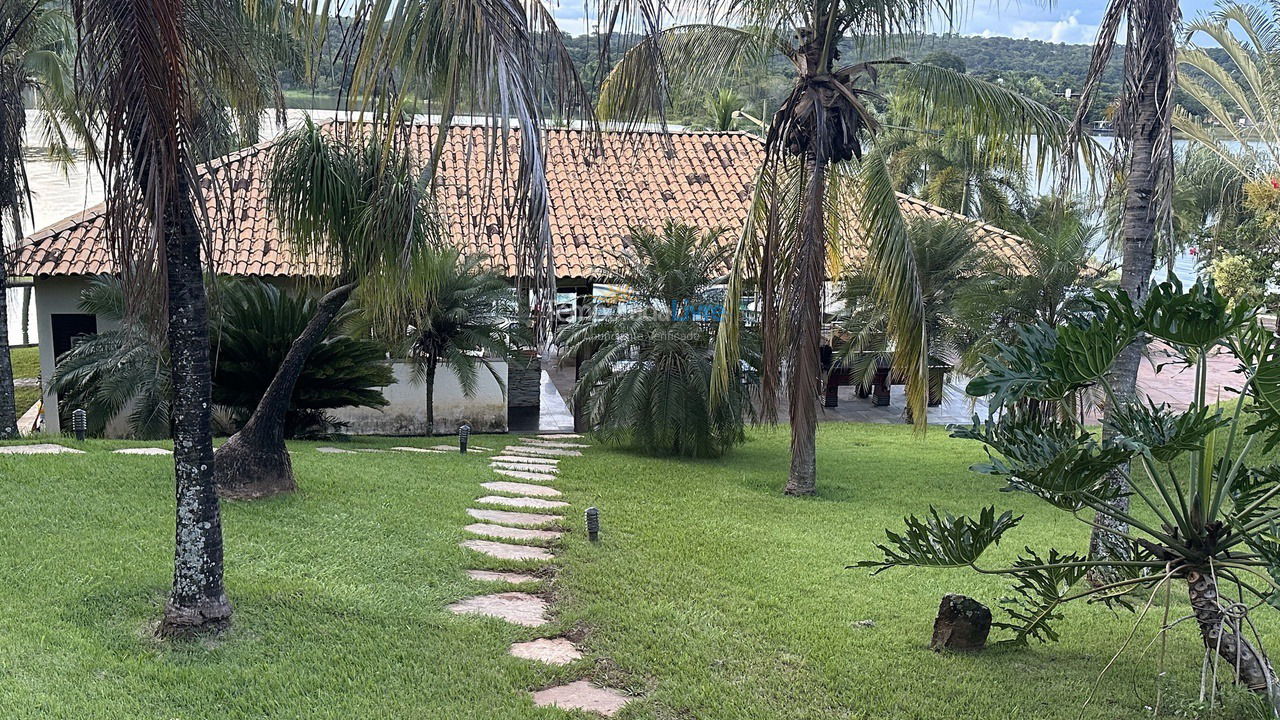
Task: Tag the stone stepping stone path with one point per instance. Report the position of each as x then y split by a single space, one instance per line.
516 488
513 518
514 607
582 695
523 467
538 450
511 533
142 451
507 551
335 451
503 577
525 475
552 443
536 458
417 450
521 502
552 651
39 449
527 459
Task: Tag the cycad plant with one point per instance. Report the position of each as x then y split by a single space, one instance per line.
824 187
646 379
446 311
254 329
1207 508
125 368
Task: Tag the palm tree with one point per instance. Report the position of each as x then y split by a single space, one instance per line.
1144 158
447 311
721 109
647 378
823 167
956 170
505 62
34 36
355 210
1240 94
143 74
947 264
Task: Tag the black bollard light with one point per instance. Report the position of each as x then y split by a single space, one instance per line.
79 423
593 524
464 435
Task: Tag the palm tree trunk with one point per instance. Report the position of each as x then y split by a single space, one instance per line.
255 462
1221 635
805 307
431 394
8 405
1149 167
198 601
26 314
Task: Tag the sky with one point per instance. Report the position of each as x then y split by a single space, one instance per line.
1063 22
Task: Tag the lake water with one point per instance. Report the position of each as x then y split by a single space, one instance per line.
59 192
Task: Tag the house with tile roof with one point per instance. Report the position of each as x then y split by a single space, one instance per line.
600 187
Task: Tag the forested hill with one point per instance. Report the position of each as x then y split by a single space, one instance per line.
1041 70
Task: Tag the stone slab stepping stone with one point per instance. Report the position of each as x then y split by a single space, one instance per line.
514 607
335 451
513 518
417 450
507 551
505 577
525 467
516 488
39 449
523 475
521 502
559 436
553 651
582 695
552 443
550 462
510 533
539 450
142 451
456 449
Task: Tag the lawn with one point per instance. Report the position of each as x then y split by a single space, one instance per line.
710 596
26 361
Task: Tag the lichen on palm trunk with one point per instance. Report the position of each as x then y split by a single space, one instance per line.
198 600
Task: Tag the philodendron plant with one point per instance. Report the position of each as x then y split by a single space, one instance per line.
1200 513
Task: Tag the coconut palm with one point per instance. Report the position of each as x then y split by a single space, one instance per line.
824 187
354 207
446 311
1144 160
34 39
647 376
145 71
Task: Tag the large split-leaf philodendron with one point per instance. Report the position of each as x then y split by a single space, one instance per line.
1205 505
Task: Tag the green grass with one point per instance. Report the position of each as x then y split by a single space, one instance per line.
711 596
26 362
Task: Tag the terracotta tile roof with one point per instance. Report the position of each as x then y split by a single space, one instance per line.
700 178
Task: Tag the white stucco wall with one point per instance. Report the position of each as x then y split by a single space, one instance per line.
486 411
405 414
